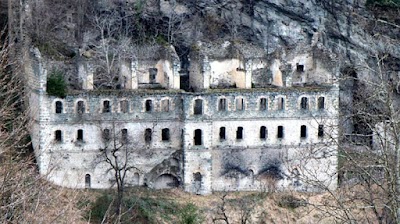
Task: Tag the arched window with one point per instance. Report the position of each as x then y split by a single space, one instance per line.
80 107
304 103
106 106
303 131
321 103
198 106
149 106
263 104
124 106
87 181
239 133
59 107
222 133
239 104
263 132
165 105
136 179
281 103
222 104
147 135
198 137
165 134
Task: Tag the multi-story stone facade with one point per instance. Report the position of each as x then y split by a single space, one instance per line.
210 139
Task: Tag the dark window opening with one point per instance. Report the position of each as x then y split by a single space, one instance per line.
304 103
147 135
263 104
239 104
81 107
59 107
198 137
281 103
58 136
222 105
79 136
165 105
239 133
149 105
321 103
106 106
263 132
222 133
197 176
153 75
106 134
124 106
299 67
124 135
280 132
303 131
165 134
320 131
87 181
198 106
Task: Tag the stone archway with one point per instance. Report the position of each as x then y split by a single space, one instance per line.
166 181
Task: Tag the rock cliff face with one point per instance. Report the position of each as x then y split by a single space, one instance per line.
346 28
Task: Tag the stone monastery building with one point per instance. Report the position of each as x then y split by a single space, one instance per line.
233 121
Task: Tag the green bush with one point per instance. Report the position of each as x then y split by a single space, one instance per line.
189 214
100 207
56 85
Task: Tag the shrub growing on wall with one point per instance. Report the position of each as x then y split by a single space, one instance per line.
56 85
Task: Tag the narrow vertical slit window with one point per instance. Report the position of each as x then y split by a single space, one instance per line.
87 181
222 136
106 134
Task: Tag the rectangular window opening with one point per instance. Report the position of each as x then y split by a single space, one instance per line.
280 132
321 103
165 134
222 133
59 107
81 107
263 104
263 132
106 106
106 134
198 137
198 106
222 105
320 131
124 106
165 105
153 75
149 105
79 135
239 104
58 136
124 135
147 135
239 133
303 131
281 103
304 103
